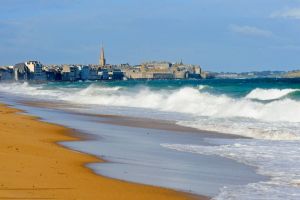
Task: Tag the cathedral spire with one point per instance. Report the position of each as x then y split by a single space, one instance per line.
102 61
181 63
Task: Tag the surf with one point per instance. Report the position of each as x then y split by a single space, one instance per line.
187 100
269 94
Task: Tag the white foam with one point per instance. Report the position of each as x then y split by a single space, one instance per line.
269 94
191 101
247 127
202 87
279 160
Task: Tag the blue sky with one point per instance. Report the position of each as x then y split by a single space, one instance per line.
220 35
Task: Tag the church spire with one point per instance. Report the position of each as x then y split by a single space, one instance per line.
102 61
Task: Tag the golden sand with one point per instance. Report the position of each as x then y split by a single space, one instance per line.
33 166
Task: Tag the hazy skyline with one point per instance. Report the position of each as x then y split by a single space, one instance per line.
217 34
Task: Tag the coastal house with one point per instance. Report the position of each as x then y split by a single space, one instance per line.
36 71
94 73
69 73
116 74
6 74
84 72
52 74
103 74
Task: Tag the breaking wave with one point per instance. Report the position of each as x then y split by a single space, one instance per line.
269 94
190 101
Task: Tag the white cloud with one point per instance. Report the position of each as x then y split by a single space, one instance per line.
292 13
250 31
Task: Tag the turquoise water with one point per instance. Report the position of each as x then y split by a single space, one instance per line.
232 87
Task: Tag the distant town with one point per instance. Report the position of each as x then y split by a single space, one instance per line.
35 71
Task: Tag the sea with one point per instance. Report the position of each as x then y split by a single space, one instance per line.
263 112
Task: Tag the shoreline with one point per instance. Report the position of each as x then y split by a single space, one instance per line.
37 166
129 121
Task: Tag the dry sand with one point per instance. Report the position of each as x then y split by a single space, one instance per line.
34 166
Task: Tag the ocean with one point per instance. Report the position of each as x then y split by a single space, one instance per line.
266 112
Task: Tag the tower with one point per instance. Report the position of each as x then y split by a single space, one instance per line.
102 60
181 63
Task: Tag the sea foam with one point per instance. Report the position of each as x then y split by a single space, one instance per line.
279 160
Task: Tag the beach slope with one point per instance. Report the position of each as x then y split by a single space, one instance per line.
34 166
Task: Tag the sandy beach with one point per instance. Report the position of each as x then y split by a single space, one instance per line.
34 166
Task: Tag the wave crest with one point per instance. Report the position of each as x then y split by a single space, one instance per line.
269 94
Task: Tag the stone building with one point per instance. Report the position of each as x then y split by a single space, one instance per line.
21 72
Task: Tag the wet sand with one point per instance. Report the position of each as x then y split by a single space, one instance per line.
34 166
129 121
